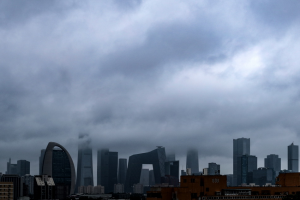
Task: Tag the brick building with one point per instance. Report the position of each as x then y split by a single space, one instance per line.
215 187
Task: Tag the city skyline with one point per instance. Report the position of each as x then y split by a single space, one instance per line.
172 155
136 74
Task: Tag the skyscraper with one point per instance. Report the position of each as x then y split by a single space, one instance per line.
213 169
144 177
156 157
107 169
23 167
246 164
11 168
293 157
59 165
122 170
274 162
192 161
41 159
85 162
241 146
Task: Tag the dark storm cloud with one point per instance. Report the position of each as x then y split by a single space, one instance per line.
139 74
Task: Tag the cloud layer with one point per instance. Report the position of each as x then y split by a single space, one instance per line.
142 74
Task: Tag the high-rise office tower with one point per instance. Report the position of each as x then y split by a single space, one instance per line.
293 157
85 162
246 165
241 146
59 165
192 161
156 157
11 168
213 169
263 175
23 167
41 159
107 169
274 162
28 184
122 170
151 178
144 177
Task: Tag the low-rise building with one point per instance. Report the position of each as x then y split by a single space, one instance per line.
119 188
215 187
6 190
138 188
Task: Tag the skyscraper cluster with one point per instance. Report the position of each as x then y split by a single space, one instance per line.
245 170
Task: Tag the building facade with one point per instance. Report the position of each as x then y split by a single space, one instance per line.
119 188
192 161
122 170
23 167
246 165
138 188
7 190
107 169
293 158
84 162
213 169
44 187
41 160
241 146
215 187
59 165
156 157
11 168
263 176
17 184
273 161
28 182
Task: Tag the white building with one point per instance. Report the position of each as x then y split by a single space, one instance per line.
99 189
119 188
138 188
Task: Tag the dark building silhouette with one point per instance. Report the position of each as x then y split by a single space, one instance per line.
122 170
274 162
192 161
44 187
246 165
156 157
262 176
41 159
213 169
16 179
229 179
172 172
151 178
23 167
241 146
293 158
107 169
59 165
84 163
11 168
144 178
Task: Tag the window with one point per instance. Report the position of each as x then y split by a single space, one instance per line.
192 180
184 180
193 195
207 189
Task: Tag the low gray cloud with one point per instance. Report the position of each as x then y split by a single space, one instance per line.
142 74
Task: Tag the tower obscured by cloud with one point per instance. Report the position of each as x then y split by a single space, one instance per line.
293 157
192 160
241 146
85 162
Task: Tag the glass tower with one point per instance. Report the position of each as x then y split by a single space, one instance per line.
85 163
293 157
241 146
192 160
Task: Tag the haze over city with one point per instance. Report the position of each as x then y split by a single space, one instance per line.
134 75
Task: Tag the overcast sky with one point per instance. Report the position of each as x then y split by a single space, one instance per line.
139 74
